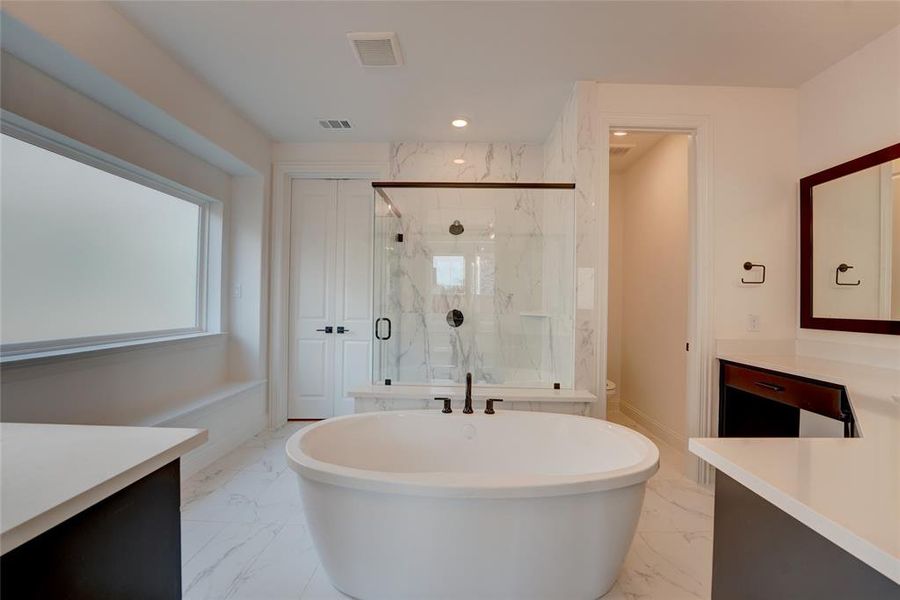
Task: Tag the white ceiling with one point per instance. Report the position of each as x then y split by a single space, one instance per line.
507 66
639 141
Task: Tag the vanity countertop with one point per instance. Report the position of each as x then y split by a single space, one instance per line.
847 490
52 472
479 392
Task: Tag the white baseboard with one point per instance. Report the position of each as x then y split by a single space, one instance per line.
232 414
613 405
666 434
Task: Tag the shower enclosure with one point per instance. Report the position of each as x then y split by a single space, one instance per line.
474 277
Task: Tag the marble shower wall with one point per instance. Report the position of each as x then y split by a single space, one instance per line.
561 146
433 161
570 154
504 272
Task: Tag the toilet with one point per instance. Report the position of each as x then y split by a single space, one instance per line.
610 388
612 398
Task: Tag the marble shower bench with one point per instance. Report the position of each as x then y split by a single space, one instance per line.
372 398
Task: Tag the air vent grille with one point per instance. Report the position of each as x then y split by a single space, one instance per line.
335 124
376 49
620 150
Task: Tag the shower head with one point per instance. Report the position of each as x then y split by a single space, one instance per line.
456 227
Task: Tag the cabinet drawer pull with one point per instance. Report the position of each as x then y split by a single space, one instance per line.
769 386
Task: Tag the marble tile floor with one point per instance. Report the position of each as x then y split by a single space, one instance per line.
244 536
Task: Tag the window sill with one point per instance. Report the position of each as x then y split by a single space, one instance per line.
64 354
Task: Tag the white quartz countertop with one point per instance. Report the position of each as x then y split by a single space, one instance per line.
479 392
847 490
52 472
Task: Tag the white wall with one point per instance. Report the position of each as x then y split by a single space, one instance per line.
751 186
97 35
248 287
337 152
850 109
752 189
125 388
34 95
654 279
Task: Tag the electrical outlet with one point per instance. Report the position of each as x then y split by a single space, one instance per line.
752 322
237 291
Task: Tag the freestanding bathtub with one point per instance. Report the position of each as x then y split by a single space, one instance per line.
421 504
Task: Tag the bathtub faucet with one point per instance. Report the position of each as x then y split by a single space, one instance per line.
468 408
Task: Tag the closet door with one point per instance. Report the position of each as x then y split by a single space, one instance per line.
353 297
313 248
331 295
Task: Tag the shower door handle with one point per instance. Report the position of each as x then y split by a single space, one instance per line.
378 328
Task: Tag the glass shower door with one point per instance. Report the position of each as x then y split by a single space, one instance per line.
474 279
387 237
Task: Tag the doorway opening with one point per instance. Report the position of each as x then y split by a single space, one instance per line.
650 282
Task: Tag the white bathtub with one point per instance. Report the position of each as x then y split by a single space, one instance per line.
422 504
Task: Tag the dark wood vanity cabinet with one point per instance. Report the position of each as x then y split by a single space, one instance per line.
755 402
126 546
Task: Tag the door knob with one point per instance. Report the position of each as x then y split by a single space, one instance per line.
341 329
328 329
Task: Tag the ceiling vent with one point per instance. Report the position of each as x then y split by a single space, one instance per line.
335 124
620 150
376 49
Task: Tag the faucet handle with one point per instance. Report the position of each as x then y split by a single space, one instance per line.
447 408
489 405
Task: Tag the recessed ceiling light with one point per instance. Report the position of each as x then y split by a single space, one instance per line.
459 161
620 133
459 122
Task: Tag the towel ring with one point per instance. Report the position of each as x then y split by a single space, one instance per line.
749 265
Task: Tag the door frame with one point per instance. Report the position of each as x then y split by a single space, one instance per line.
283 173
701 375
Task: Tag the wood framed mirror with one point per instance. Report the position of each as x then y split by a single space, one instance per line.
850 245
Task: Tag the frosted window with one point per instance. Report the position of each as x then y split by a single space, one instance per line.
86 253
450 273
